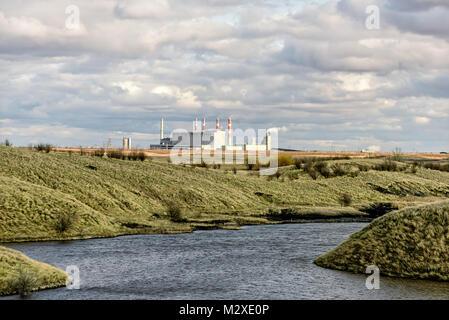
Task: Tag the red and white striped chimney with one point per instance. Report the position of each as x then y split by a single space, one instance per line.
204 124
218 125
229 131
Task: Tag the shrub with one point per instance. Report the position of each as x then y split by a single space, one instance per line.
98 153
363 167
338 170
354 174
299 162
24 283
7 143
115 154
43 147
174 212
234 170
386 165
284 161
323 169
313 174
64 222
345 200
437 166
379 209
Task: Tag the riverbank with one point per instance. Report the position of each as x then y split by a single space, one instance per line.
409 243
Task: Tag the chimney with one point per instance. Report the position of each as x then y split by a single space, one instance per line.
229 131
162 128
218 125
196 125
204 124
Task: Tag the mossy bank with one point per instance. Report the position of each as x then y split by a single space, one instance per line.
20 274
409 243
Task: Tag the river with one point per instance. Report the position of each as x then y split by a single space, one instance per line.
256 262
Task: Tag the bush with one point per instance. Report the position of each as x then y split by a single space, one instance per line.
299 162
363 167
114 154
64 222
437 166
7 143
24 283
379 209
338 170
98 153
284 161
313 174
387 165
174 212
43 147
345 200
323 169
234 170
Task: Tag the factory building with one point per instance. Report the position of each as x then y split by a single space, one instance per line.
126 143
212 139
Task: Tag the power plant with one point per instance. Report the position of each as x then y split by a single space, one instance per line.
212 139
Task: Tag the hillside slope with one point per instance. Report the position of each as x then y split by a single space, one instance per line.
410 243
107 197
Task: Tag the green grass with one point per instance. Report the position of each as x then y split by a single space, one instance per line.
42 276
107 197
410 243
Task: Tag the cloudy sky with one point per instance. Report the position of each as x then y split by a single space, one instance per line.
321 70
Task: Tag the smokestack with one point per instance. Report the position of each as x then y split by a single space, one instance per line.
218 125
162 128
229 131
196 124
204 124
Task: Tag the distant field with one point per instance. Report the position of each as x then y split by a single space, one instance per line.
318 154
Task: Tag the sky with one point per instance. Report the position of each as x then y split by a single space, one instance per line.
328 74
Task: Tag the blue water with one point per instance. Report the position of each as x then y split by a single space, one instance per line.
256 262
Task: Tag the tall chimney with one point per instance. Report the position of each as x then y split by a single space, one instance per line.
162 128
229 131
196 124
204 124
218 125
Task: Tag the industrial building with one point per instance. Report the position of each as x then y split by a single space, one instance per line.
126 143
211 139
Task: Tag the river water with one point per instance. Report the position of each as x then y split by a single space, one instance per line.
256 262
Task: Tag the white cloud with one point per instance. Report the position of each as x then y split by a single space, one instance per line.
422 120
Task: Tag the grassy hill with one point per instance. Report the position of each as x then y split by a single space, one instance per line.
411 243
18 273
101 197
